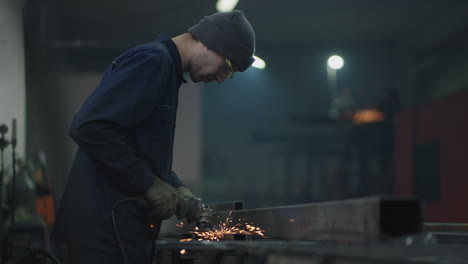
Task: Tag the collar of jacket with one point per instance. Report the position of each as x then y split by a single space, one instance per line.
172 48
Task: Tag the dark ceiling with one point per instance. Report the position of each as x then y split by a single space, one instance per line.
276 22
80 32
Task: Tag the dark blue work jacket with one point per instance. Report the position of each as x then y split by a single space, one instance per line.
125 135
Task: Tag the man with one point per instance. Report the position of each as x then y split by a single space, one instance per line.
122 176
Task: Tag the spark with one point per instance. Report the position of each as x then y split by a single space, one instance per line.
225 228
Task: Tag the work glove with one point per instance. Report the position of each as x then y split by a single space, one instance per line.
164 200
186 193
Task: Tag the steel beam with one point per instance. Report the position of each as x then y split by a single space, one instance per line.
354 220
227 206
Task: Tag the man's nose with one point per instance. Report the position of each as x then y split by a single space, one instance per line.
219 78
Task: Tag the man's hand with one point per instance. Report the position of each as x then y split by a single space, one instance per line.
163 199
186 193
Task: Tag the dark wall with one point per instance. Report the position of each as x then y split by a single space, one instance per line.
52 105
267 137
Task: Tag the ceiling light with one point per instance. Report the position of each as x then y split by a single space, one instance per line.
226 5
335 62
259 63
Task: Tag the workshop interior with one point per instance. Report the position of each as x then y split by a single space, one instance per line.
345 142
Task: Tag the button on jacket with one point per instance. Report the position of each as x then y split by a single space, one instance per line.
125 137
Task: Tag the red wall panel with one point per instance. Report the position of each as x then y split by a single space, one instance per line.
445 120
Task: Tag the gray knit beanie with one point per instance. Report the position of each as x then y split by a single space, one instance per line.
230 35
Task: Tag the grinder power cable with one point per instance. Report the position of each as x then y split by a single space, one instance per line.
195 211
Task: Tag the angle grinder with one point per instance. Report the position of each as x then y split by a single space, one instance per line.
198 212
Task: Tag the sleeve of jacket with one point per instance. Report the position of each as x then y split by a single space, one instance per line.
125 97
176 182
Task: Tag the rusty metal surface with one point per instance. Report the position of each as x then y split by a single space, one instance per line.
302 233
365 219
312 251
446 227
448 233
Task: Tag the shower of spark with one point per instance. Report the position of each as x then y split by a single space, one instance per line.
222 230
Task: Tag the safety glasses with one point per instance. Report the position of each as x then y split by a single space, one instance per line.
228 70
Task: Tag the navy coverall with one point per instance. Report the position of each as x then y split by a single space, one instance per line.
125 136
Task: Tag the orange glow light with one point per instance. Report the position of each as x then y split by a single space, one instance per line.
368 116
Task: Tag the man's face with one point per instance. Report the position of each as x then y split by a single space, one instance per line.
208 66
